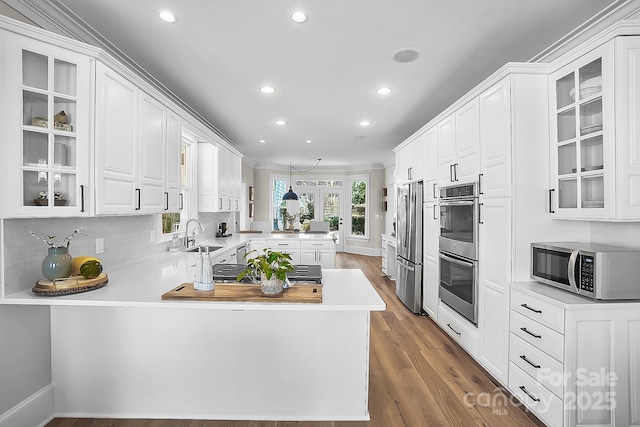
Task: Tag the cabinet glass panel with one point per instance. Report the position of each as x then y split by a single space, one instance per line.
35 188
568 193
567 159
591 154
590 79
565 91
64 78
592 192
35 149
64 114
35 109
566 125
64 186
35 70
64 152
591 117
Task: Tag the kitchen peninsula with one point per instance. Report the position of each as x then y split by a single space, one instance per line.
121 351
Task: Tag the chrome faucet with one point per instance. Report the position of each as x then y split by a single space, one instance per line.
191 240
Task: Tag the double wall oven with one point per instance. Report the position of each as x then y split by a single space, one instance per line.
459 213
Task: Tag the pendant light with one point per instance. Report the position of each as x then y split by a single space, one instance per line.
290 195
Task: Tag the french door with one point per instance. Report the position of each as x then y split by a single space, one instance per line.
323 204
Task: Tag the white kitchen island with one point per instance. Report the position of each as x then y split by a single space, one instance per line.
122 352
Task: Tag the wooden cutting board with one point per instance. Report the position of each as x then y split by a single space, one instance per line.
240 292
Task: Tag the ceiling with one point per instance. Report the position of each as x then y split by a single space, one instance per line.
326 71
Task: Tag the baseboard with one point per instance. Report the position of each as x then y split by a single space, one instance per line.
358 250
36 410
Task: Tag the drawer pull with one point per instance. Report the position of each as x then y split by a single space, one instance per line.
531 396
532 309
456 332
530 333
523 357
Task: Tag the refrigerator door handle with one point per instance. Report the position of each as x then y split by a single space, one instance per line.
405 266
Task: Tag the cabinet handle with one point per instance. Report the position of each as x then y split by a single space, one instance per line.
530 333
455 172
451 172
237 205
531 396
435 215
524 357
166 201
180 201
138 199
82 198
480 175
456 332
535 310
220 200
551 200
435 196
480 221
229 204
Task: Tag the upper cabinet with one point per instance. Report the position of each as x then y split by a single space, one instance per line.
595 138
219 179
46 124
410 161
459 145
431 164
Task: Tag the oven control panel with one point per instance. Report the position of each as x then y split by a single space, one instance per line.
587 273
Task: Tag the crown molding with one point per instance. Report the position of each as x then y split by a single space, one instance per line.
323 169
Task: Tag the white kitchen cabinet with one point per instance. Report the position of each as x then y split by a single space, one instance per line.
219 178
431 279
289 246
174 146
152 154
321 253
431 164
410 161
46 123
459 145
388 252
458 328
595 144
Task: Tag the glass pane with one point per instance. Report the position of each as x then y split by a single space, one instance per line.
64 152
358 207
307 210
567 159
170 223
565 91
568 193
279 189
35 70
34 109
567 125
64 114
591 154
593 192
35 149
35 187
590 78
591 117
64 77
331 210
65 189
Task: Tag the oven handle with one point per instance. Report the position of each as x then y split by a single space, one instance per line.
456 260
457 202
571 268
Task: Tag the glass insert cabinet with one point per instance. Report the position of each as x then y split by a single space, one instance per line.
47 124
581 96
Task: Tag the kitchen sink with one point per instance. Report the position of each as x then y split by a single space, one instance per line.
204 248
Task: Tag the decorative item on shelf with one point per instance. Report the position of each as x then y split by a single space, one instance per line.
271 267
58 262
43 199
251 194
60 122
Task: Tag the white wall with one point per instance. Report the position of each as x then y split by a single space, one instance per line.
621 234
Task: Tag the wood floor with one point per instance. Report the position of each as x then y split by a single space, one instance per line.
418 377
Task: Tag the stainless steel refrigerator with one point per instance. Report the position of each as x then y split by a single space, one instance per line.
409 245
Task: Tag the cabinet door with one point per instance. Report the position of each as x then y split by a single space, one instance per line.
430 284
46 120
116 151
430 280
327 258
467 136
208 200
174 145
152 154
430 160
309 257
223 177
446 150
494 275
495 140
417 158
403 164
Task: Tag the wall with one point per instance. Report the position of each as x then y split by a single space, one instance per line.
248 178
621 234
390 183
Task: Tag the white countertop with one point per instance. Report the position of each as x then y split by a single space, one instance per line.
571 300
143 283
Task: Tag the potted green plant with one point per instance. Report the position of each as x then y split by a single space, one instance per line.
271 267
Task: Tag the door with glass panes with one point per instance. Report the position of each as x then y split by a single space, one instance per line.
321 200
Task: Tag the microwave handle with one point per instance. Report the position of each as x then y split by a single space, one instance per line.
571 268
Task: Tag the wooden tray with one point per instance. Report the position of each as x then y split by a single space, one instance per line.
240 292
69 285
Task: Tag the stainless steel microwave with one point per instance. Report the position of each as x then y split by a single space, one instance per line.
596 271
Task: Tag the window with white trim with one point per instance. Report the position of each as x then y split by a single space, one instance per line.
358 206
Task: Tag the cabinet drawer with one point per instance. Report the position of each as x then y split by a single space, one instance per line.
322 244
278 245
539 336
541 311
540 366
541 401
460 330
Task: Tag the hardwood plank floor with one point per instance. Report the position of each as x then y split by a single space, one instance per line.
418 376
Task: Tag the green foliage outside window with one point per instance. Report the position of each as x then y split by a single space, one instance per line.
358 207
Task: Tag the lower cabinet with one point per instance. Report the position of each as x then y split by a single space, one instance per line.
463 332
321 253
388 251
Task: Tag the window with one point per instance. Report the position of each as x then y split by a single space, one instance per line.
359 202
278 205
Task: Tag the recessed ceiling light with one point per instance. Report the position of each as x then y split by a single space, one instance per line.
268 89
280 122
383 91
262 141
407 54
298 17
365 123
308 141
167 16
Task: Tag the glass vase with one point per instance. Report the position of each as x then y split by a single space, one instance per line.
57 263
271 286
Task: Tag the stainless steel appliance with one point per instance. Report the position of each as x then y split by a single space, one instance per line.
596 271
409 245
459 220
458 285
227 273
